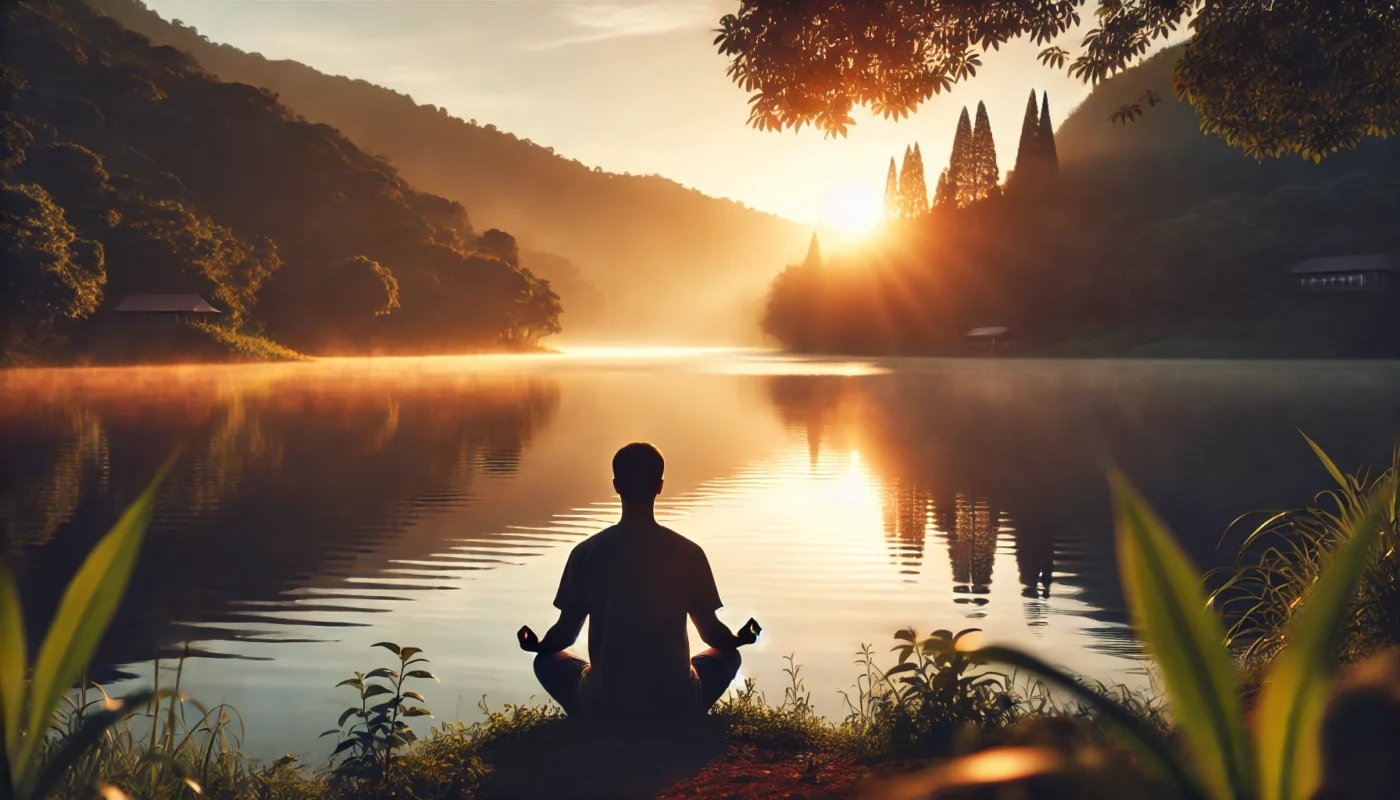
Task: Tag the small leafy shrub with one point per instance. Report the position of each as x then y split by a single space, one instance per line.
367 746
793 725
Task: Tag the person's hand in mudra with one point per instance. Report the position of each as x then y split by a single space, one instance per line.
749 633
529 642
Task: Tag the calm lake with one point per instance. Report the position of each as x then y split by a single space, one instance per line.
319 508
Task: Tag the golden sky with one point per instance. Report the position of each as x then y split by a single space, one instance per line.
628 85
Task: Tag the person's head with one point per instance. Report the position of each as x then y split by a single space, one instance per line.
637 470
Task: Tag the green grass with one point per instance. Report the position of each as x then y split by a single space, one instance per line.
235 346
1281 558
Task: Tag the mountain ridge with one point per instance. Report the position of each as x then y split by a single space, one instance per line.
649 244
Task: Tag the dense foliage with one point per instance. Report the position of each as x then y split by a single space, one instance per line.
1126 237
1307 77
632 248
128 169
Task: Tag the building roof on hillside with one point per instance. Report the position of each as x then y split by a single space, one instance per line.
166 304
1375 262
995 330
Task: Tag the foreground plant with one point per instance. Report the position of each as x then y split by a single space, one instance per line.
1282 558
369 743
29 767
1281 759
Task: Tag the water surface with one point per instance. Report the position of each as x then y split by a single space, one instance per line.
318 508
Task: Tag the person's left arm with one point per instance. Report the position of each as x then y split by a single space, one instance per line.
705 602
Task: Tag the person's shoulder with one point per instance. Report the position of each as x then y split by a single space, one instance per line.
683 544
595 541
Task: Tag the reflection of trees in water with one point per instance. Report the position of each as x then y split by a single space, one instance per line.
1034 436
40 487
1035 561
1035 566
972 544
279 487
809 402
906 511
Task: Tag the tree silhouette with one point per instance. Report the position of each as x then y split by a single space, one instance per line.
944 195
892 197
814 253
1028 149
913 189
1037 164
1047 151
906 180
987 175
961 174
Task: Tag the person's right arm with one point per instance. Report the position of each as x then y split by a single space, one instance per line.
560 636
572 602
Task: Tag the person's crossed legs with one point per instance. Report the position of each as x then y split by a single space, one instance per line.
714 670
562 675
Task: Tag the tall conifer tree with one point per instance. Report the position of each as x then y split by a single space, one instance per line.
984 156
916 190
814 253
1048 153
960 174
906 181
892 197
944 195
1028 155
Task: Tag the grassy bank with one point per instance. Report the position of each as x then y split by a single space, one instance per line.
946 706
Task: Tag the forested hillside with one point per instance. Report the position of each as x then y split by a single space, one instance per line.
1155 238
651 246
127 168
1168 133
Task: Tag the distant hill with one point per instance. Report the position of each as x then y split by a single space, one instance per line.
670 262
126 168
1169 134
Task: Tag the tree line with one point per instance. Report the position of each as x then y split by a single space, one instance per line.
972 174
1167 248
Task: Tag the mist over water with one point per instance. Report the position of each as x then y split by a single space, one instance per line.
318 508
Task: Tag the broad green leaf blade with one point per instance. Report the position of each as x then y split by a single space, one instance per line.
83 615
1157 758
1295 690
1169 610
12 664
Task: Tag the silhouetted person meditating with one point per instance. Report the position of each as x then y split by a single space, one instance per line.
637 582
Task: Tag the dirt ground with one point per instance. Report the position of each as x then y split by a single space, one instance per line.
697 765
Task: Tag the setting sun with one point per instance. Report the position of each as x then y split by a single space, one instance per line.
853 207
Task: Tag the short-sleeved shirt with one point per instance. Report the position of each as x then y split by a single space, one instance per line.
638 586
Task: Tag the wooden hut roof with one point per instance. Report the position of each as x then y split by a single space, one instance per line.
1375 262
166 304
